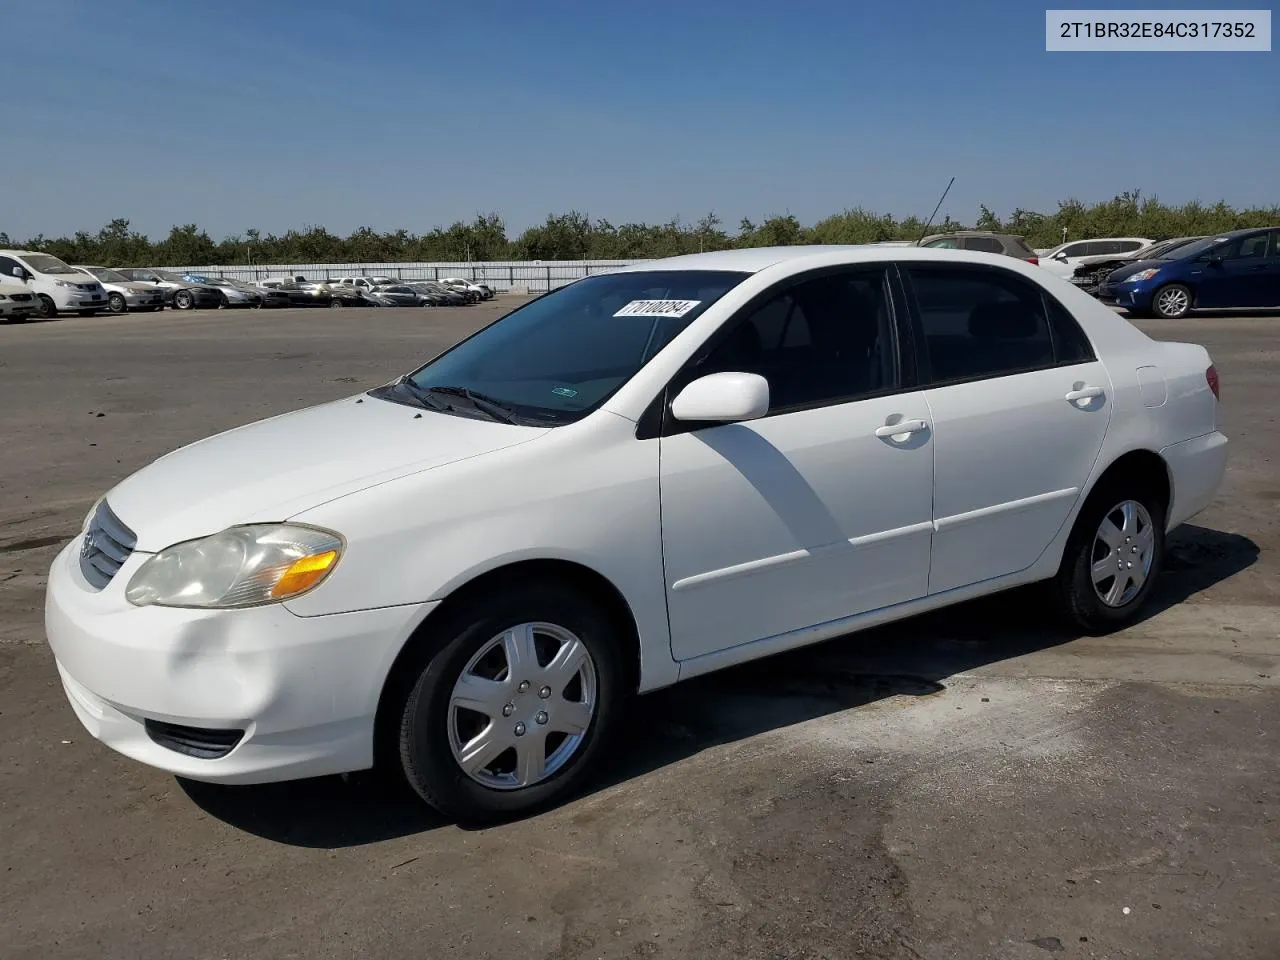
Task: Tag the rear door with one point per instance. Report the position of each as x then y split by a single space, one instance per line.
1019 405
1271 283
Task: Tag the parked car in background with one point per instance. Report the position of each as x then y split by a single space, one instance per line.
399 295
342 295
17 302
1063 259
436 295
235 293
58 287
178 293
366 283
1233 270
479 290
1091 271
983 241
124 294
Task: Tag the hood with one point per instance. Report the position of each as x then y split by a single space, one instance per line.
274 469
1137 266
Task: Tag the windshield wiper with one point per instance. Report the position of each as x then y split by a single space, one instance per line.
424 398
492 407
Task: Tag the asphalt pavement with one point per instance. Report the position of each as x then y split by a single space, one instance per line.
975 783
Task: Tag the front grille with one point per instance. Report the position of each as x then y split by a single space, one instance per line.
199 742
108 543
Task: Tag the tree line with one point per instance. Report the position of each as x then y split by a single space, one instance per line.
575 236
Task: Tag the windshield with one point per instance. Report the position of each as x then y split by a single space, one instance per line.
43 263
107 276
559 357
171 277
1190 249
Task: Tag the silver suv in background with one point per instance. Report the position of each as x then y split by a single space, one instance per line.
1007 243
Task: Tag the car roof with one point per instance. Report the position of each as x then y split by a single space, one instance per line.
756 259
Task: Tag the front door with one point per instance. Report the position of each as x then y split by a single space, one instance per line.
1240 278
1019 406
818 510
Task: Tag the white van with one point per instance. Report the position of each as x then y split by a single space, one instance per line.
59 287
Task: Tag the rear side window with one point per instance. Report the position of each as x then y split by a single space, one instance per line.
978 324
985 244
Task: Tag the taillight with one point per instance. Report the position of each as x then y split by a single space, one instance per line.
1035 260
1211 375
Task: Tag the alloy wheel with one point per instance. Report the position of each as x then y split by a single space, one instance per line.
1123 550
522 706
1173 302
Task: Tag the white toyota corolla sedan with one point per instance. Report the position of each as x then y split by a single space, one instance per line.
632 480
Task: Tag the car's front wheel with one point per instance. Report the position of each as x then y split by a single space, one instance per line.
509 712
46 309
116 303
1113 558
1172 301
184 300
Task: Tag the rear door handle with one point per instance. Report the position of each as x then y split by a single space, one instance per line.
901 428
1084 393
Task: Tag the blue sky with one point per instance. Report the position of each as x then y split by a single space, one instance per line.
390 113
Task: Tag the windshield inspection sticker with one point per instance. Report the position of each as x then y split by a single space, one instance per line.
657 308
564 392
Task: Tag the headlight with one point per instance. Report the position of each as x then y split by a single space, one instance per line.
4 296
239 567
62 283
1141 275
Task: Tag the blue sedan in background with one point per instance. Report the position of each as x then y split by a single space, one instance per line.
1236 269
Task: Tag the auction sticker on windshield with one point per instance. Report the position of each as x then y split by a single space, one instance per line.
657 308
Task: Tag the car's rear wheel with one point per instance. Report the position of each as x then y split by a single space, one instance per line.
1171 301
513 703
184 300
1113 558
115 303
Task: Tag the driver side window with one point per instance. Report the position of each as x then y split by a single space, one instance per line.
823 341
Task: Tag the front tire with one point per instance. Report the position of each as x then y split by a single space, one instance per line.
115 303
47 310
513 704
184 300
1172 302
1113 558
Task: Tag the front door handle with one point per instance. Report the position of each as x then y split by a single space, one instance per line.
901 429
1084 393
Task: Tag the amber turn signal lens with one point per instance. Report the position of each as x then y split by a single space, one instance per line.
304 573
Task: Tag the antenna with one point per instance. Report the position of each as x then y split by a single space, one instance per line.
925 232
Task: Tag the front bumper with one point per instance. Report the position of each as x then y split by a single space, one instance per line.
1131 296
137 300
304 690
13 308
81 301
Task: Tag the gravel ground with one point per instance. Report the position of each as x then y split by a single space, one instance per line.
966 784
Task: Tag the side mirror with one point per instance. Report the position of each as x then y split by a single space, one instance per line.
19 273
723 398
1060 256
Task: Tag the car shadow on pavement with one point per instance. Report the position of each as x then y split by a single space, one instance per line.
913 657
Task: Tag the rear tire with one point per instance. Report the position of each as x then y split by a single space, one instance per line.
533 707
1172 301
1113 558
